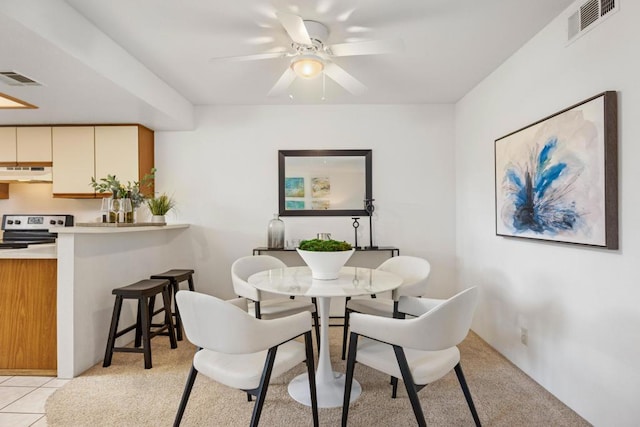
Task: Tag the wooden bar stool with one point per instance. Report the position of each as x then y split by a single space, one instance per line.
143 291
175 277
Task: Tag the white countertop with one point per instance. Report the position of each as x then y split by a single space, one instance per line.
44 251
110 230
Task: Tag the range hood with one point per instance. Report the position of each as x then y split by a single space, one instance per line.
25 174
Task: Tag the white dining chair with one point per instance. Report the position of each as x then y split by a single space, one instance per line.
267 305
414 272
418 350
240 351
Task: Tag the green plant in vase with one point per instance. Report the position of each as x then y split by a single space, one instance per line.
134 191
159 206
317 245
325 258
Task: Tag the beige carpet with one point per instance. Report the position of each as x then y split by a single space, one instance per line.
125 394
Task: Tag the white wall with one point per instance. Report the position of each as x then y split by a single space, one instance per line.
224 177
580 305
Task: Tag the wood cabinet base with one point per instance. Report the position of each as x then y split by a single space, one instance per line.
28 333
29 372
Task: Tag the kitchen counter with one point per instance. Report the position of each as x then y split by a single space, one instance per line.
43 251
92 261
111 230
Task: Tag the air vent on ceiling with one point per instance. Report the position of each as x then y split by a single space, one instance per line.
13 78
589 14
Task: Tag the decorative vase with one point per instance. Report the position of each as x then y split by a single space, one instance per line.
275 234
325 265
158 219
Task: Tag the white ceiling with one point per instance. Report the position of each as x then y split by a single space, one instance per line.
149 61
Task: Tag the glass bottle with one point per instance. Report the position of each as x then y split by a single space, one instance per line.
114 208
127 208
275 235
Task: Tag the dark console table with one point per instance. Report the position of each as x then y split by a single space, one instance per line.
393 251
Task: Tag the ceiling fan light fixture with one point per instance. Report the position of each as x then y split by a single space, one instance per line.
307 66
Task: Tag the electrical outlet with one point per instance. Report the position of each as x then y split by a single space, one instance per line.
524 336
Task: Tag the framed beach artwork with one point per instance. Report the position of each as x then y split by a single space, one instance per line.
321 204
320 187
294 187
557 179
294 204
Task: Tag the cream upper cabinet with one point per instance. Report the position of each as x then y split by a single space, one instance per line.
83 152
26 146
73 161
34 145
117 152
7 146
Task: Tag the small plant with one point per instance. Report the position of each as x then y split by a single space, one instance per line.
317 245
160 205
133 190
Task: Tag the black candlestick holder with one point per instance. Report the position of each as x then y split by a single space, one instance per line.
356 224
368 206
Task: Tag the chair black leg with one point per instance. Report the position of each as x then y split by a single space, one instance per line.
264 385
316 323
410 385
351 363
345 332
256 305
467 394
249 398
311 371
394 387
185 396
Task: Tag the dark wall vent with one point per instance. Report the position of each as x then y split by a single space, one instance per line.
588 15
14 78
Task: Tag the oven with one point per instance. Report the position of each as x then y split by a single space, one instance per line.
22 230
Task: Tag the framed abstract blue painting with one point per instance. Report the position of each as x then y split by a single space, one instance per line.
557 179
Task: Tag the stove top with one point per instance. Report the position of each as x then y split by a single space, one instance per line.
22 230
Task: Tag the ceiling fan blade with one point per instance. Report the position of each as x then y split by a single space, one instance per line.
253 57
374 47
344 79
283 82
294 25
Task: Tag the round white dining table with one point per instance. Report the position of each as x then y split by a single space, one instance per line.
297 281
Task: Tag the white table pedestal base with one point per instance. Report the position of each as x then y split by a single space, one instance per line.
330 394
299 281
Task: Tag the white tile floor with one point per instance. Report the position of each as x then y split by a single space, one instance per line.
22 400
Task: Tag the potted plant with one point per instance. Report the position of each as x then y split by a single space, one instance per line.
159 206
134 191
325 257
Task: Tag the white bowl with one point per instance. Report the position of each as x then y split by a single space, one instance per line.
325 265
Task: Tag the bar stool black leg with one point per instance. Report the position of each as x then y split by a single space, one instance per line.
146 327
108 354
168 317
138 341
174 289
191 286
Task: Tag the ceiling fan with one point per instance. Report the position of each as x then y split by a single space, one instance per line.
310 56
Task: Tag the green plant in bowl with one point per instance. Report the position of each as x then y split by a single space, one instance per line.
161 204
325 258
317 245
